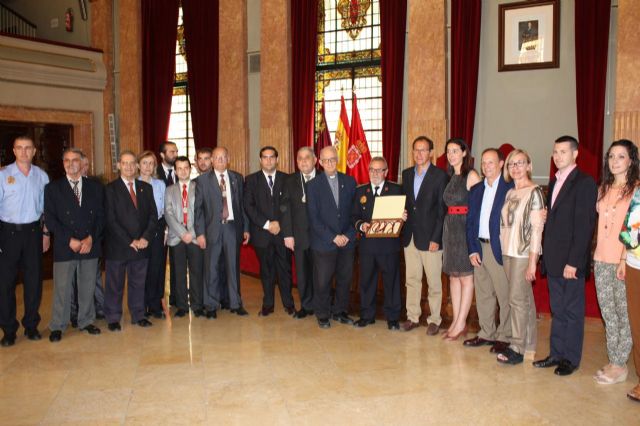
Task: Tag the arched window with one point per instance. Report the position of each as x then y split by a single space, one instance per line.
349 57
180 130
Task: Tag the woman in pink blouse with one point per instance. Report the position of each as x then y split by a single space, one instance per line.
619 179
521 225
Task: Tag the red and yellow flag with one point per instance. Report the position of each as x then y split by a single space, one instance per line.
342 137
358 154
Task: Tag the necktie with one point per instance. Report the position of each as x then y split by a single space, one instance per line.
133 195
76 190
375 194
307 178
185 203
223 189
271 184
170 176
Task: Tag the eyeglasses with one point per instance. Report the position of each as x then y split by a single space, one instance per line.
519 163
329 160
377 170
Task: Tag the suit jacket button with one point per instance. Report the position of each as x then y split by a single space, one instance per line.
338 214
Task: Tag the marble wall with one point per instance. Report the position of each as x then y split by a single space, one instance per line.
275 80
233 125
627 115
426 51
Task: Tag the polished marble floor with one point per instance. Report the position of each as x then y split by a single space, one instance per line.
281 371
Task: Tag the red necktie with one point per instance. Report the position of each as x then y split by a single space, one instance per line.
133 195
185 201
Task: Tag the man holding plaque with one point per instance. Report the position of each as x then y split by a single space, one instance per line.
377 255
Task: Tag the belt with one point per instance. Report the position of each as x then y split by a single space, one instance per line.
21 226
458 209
484 240
225 222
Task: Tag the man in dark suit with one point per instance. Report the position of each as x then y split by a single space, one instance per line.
377 254
567 252
74 213
166 171
295 226
166 168
329 202
423 185
220 228
132 221
483 242
262 195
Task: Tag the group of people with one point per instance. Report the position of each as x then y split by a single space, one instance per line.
484 231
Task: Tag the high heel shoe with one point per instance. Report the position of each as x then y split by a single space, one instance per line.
454 337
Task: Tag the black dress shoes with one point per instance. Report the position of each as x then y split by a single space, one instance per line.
565 368
300 314
91 329
99 316
499 347
324 323
74 322
32 334
180 313
393 325
199 313
224 305
9 339
547 362
144 323
55 336
362 322
290 310
478 341
265 311
342 318
114 326
240 311
211 314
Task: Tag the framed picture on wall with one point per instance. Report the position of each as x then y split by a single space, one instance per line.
529 35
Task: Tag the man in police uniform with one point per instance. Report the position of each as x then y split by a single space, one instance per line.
21 239
377 254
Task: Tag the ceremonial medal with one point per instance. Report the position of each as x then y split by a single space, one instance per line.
363 199
11 180
184 209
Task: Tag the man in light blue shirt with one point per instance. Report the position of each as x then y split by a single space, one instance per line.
21 239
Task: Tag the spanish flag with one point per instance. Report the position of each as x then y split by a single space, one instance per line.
342 137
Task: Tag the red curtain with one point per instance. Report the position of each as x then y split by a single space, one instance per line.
201 34
159 27
465 55
304 48
393 25
592 42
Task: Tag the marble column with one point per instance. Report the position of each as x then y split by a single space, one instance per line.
275 80
427 73
627 115
130 81
102 38
233 121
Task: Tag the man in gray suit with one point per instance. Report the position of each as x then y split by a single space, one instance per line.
221 227
181 239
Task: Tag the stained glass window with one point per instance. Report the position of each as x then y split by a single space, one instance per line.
349 58
180 129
